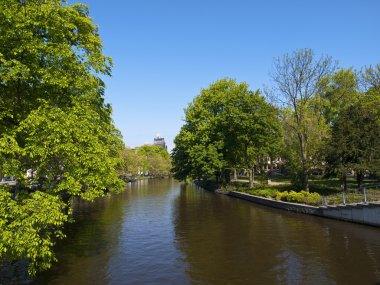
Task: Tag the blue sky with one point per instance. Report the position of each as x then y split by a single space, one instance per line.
166 51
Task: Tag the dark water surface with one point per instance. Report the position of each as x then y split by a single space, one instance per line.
162 232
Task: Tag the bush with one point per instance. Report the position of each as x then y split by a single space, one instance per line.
302 197
299 197
282 196
267 193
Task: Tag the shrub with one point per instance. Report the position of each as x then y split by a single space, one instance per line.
267 193
282 196
300 197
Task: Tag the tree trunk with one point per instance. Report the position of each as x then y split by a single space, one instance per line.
305 179
227 176
218 176
251 176
344 182
250 169
359 178
235 174
305 170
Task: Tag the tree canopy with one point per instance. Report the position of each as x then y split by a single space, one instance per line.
54 123
297 79
226 126
354 143
154 160
326 121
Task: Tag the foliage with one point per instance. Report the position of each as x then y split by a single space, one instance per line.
330 188
302 197
131 161
182 166
330 120
71 150
355 143
267 193
53 123
153 160
339 92
352 197
318 133
297 81
355 125
28 228
226 126
371 78
252 128
51 51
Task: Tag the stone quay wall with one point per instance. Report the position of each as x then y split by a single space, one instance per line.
368 214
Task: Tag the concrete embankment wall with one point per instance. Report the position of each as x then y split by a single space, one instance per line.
368 214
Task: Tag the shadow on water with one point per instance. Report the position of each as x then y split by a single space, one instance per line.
90 243
230 241
123 239
163 232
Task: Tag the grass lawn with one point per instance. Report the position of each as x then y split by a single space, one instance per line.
324 187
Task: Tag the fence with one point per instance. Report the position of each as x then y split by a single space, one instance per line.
353 196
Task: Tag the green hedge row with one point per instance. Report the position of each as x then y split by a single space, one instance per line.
302 197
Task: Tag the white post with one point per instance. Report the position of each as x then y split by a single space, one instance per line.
365 195
324 202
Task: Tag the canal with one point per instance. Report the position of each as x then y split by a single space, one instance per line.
163 232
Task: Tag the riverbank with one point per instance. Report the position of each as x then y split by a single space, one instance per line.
322 191
160 231
363 213
368 214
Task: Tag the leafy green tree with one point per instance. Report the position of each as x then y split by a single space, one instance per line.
227 125
340 92
355 144
200 149
297 78
131 161
72 151
355 131
28 228
318 134
50 51
182 164
371 81
252 128
154 160
371 77
53 121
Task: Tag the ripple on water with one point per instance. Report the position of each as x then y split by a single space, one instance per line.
162 232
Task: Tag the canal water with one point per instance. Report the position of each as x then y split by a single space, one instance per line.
163 232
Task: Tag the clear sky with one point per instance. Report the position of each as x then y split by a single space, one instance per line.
166 51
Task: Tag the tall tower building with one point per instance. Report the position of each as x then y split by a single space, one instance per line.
158 140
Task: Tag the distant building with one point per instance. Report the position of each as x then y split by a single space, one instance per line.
160 141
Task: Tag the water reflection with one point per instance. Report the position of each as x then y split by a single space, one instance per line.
162 232
124 239
229 241
90 243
